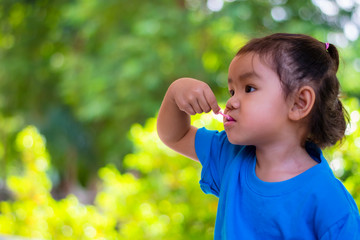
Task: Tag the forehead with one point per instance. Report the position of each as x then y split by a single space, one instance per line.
242 63
249 63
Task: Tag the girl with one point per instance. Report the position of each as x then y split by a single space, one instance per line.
267 167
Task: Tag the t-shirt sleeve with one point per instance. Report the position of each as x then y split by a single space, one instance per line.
347 228
211 148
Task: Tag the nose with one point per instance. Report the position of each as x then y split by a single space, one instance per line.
232 103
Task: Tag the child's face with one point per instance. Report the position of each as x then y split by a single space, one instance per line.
257 103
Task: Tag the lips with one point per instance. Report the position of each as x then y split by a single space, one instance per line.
229 119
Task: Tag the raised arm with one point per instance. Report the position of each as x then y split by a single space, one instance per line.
185 97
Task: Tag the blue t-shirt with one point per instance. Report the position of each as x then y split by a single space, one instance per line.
312 205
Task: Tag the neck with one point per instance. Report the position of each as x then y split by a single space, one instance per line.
279 162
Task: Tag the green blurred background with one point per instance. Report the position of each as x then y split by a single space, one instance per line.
81 82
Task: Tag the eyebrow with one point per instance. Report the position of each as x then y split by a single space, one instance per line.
245 76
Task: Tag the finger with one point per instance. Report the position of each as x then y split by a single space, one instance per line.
211 100
185 107
193 101
205 107
190 110
196 106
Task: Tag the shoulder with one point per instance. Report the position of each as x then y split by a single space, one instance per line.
217 157
331 191
335 208
328 189
331 205
212 140
215 152
333 197
216 143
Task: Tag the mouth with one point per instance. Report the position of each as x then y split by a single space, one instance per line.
228 120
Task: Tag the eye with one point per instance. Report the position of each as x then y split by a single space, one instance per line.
232 92
249 89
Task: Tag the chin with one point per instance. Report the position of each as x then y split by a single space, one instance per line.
236 141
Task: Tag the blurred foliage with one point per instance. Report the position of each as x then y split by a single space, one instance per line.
84 71
157 196
344 157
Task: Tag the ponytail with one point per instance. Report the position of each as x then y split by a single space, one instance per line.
334 54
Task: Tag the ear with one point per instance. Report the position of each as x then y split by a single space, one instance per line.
302 103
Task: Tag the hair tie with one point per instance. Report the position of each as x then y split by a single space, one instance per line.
327 46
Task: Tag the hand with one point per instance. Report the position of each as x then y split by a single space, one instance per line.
193 96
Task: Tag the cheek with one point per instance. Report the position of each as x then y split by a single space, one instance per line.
267 111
